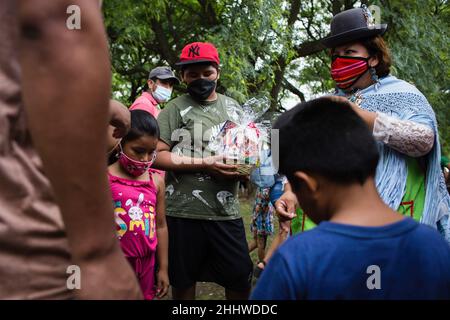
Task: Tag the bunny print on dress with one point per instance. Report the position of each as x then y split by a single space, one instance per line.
135 212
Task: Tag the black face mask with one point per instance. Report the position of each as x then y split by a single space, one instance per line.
201 89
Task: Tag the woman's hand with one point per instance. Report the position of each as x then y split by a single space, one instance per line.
368 116
162 283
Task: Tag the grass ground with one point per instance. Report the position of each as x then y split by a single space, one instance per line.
212 291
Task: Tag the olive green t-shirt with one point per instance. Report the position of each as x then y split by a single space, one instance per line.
187 126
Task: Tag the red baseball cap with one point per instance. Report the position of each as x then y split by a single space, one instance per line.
197 52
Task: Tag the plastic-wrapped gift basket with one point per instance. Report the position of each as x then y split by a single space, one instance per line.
241 138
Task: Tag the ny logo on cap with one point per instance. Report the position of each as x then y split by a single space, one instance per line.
194 50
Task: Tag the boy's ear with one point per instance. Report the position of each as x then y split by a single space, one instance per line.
181 74
311 182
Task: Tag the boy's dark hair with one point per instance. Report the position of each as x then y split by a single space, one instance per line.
326 137
142 123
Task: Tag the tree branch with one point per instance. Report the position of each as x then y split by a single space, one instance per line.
309 48
281 61
209 13
348 4
336 7
163 48
175 35
293 89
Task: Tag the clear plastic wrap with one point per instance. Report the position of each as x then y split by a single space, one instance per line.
241 138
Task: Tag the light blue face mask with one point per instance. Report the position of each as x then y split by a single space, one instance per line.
162 94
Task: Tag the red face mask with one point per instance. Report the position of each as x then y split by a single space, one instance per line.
345 71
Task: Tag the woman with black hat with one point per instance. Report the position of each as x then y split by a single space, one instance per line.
408 176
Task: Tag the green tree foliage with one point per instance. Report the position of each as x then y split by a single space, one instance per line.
419 41
272 47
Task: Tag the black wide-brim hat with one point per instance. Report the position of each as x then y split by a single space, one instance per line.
352 25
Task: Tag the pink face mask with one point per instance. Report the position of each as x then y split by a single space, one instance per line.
134 167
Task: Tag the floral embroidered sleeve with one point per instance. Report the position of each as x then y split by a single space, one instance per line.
408 137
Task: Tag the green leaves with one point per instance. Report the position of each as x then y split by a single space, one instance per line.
418 38
260 49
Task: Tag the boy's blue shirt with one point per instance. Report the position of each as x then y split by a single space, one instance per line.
337 261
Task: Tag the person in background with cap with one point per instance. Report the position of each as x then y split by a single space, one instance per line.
160 85
206 233
402 121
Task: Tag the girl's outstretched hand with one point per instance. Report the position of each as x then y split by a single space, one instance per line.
162 283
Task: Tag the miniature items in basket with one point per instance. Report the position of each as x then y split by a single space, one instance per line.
240 139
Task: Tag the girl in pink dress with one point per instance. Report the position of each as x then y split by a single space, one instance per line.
138 195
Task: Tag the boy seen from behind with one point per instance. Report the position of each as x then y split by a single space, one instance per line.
361 249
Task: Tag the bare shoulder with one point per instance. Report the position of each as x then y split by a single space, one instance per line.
159 181
113 169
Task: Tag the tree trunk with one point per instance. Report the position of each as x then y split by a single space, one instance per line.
282 61
164 48
276 88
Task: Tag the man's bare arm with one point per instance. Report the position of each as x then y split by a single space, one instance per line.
120 118
66 89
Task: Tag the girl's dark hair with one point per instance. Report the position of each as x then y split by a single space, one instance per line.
142 123
376 46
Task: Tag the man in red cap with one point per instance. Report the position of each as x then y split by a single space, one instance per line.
206 234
